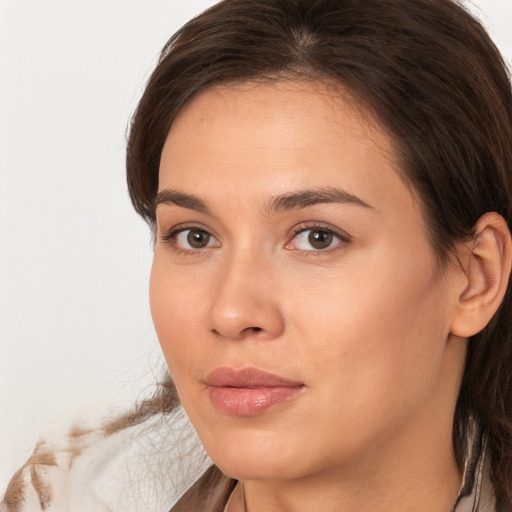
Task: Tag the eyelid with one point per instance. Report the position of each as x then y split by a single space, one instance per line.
343 237
170 237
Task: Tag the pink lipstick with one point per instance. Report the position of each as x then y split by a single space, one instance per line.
248 391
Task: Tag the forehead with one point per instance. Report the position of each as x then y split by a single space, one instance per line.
277 135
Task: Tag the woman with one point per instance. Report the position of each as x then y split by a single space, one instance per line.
329 187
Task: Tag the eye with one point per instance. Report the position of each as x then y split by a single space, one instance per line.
190 239
316 239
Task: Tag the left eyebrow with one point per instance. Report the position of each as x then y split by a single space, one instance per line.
304 198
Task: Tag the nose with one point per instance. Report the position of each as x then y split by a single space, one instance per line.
245 303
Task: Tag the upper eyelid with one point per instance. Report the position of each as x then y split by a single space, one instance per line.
306 226
183 226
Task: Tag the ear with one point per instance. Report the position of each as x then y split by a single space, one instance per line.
487 266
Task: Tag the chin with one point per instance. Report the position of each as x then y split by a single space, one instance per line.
244 469
257 457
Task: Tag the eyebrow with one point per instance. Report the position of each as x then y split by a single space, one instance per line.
304 198
170 196
289 201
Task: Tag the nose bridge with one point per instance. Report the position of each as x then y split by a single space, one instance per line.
243 303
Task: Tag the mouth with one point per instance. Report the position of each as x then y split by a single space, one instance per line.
248 391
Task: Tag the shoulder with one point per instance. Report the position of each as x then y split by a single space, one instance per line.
141 468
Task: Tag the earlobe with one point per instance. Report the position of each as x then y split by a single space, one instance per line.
487 268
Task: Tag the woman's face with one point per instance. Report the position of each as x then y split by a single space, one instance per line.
294 292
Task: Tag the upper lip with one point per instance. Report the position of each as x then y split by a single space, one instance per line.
247 377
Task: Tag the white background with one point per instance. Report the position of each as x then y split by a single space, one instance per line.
76 339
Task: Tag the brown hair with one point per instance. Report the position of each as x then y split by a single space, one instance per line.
428 71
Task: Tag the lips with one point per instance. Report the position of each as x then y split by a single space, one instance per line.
248 391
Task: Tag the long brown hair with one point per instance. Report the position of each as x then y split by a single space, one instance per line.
427 70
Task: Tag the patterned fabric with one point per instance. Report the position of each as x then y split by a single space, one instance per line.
124 472
129 472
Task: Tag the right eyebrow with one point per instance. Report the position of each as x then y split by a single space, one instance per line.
173 197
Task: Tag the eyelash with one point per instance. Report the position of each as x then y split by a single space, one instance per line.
171 236
342 237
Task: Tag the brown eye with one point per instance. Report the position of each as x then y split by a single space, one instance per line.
198 239
320 239
191 239
317 239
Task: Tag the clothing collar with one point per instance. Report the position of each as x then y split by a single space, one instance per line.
476 491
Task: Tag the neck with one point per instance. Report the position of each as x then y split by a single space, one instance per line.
426 479
350 496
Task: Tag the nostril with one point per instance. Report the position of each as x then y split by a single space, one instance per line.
251 332
245 332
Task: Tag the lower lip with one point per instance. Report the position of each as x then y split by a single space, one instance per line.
250 401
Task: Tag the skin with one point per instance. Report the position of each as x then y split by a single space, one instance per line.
365 323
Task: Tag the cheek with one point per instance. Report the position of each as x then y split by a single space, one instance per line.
175 309
377 332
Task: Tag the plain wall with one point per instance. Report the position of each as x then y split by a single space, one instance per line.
76 339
